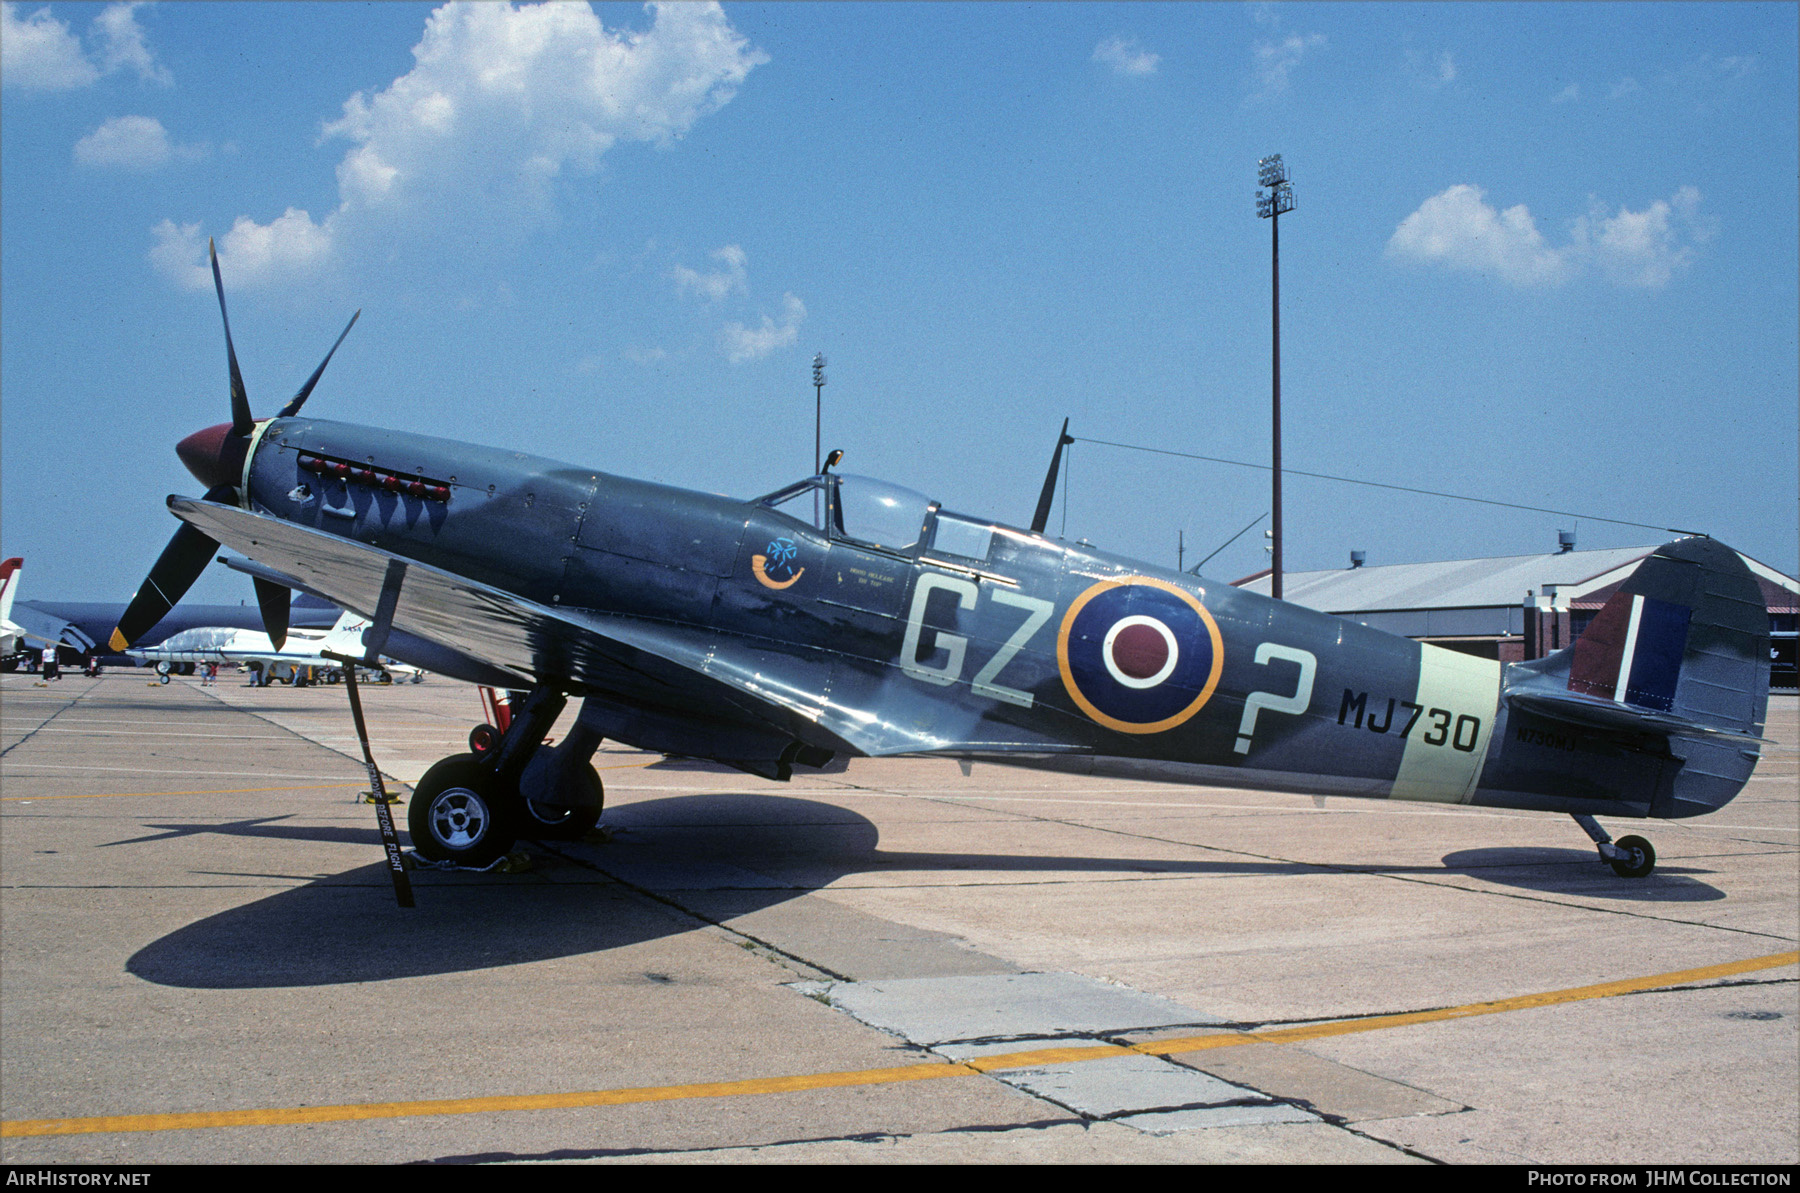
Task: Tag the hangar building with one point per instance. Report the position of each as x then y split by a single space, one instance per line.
1512 608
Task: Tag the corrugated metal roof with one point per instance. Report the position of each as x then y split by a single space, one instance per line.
1450 584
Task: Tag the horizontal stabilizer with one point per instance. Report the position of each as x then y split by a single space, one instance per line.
1607 714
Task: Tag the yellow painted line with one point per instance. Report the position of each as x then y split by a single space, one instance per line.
372 1110
297 1115
1524 1002
34 799
141 733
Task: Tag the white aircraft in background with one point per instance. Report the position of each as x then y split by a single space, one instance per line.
303 649
11 635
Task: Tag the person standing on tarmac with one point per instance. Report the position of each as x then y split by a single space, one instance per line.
50 671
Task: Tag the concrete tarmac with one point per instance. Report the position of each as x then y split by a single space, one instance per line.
903 961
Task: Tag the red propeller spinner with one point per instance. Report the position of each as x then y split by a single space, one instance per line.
214 456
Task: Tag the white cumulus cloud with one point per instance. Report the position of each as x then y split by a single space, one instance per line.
753 343
1275 61
503 101
260 254
715 286
38 52
1459 230
122 44
1125 57
1642 248
132 143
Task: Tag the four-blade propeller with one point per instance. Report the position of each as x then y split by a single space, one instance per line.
216 457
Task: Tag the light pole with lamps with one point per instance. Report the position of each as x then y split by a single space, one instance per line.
818 404
1270 204
818 413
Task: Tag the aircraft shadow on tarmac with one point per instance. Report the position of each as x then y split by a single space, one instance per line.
744 851
1579 872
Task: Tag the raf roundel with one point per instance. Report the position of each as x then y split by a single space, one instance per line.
1139 655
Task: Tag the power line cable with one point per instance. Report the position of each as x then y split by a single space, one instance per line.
1195 570
1350 480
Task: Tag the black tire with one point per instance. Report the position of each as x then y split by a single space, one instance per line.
564 824
484 739
456 815
1640 861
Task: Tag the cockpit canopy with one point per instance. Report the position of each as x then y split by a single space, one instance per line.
887 517
870 511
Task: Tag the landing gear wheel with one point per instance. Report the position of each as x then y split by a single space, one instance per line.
1640 858
550 823
457 816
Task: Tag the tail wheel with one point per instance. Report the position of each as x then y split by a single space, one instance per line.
555 823
456 815
1639 858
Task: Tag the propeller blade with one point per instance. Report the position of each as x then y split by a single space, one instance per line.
299 399
273 600
241 421
1042 518
170 577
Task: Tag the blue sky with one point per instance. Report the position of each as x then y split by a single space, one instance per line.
1542 253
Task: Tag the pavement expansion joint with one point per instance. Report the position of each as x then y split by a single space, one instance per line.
870 1138
1054 1036
797 965
73 701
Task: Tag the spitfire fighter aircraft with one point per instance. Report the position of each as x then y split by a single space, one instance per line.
761 634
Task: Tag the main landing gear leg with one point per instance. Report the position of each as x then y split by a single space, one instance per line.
1629 857
466 809
561 794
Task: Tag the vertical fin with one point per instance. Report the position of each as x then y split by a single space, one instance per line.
1686 633
9 585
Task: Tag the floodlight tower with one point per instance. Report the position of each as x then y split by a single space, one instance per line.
818 412
818 404
1270 204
